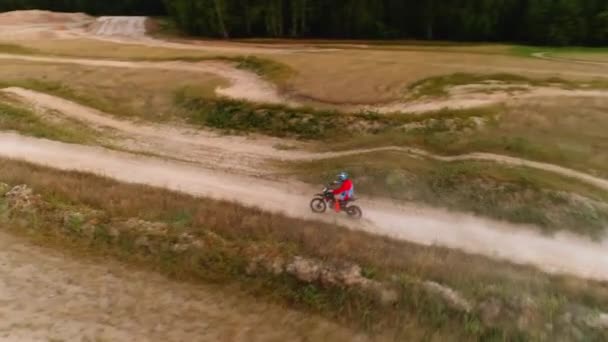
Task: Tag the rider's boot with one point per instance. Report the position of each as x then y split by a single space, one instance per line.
337 206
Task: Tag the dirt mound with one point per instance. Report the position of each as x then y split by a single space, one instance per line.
41 17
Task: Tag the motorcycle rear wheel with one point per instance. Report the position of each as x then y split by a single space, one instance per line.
318 205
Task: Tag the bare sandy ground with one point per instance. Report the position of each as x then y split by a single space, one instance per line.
134 27
563 253
240 153
35 24
48 296
475 96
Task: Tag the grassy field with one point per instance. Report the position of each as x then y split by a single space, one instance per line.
563 131
568 132
129 93
95 216
91 215
347 76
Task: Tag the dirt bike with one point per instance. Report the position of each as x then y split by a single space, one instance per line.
322 201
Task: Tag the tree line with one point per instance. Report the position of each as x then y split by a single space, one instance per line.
555 22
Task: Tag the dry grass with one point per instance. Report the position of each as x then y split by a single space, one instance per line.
592 57
137 93
102 49
349 76
416 314
564 131
368 77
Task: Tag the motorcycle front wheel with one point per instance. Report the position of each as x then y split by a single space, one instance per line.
354 212
318 205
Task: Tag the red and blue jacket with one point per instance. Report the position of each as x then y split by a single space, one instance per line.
346 189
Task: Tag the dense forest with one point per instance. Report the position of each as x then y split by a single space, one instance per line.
556 22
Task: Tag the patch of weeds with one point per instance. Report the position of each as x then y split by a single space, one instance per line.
302 122
310 296
273 120
102 236
181 219
369 272
74 223
264 67
61 90
438 86
28 123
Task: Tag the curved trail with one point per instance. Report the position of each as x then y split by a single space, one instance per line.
241 153
545 56
49 296
565 253
243 84
246 85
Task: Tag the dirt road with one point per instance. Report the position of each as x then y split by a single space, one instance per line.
48 296
564 253
241 153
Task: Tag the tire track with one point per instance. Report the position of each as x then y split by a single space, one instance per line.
564 253
223 151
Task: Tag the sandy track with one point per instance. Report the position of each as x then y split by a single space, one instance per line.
545 56
243 84
241 153
524 71
564 253
48 296
478 98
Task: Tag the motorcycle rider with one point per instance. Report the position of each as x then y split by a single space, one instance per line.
345 190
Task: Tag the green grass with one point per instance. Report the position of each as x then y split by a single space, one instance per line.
84 213
305 123
13 118
518 195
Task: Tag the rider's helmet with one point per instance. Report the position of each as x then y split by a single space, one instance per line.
342 176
